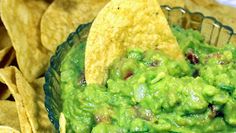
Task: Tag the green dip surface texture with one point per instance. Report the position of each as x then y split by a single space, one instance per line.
146 91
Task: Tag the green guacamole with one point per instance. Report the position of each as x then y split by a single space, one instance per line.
146 91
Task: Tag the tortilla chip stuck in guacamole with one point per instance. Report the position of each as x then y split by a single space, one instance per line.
124 24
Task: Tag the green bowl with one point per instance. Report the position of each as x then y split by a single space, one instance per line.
215 33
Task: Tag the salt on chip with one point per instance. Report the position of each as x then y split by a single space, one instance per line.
63 17
22 21
29 101
7 129
123 24
8 114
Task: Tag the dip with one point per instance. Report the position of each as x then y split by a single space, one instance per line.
146 91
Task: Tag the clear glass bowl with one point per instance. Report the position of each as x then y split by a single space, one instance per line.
53 101
215 33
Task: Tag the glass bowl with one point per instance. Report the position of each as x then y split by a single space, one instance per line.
53 101
215 33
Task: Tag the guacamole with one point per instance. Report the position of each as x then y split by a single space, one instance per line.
147 91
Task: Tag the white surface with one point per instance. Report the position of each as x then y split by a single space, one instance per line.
228 2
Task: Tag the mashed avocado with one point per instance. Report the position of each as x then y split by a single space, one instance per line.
147 91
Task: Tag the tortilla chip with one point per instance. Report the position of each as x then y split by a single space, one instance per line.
62 122
29 101
8 114
23 26
42 114
6 129
37 84
7 75
233 39
202 2
124 24
172 3
64 16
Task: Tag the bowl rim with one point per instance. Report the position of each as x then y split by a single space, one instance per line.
47 75
217 22
56 57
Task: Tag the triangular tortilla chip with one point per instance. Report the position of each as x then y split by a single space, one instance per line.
8 114
22 21
124 24
63 17
7 75
30 101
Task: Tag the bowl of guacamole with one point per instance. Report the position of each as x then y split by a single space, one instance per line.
147 91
